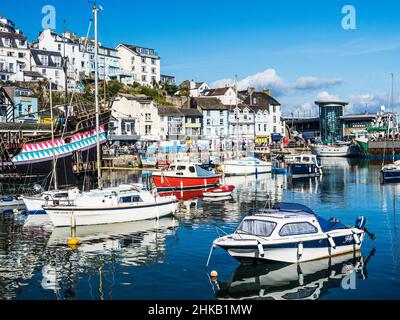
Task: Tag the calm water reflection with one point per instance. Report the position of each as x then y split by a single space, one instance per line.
166 259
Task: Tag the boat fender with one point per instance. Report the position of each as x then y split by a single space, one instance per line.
356 238
300 251
361 222
332 242
260 249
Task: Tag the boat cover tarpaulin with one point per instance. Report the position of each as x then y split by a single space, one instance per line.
327 226
203 173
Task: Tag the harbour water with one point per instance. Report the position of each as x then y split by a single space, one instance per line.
166 259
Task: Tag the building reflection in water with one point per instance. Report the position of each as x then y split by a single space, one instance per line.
305 281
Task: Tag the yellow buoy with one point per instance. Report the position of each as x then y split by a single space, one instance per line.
73 242
214 275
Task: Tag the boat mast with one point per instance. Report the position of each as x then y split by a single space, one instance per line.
96 78
52 136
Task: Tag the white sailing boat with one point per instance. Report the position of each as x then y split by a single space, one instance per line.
114 205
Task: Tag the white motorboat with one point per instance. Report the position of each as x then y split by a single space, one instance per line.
291 233
335 150
220 192
245 167
112 205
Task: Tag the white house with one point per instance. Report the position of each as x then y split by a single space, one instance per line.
172 123
196 89
263 101
49 65
226 95
14 52
135 116
139 64
215 121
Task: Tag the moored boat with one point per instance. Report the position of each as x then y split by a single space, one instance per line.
223 191
391 172
291 233
114 205
245 167
185 176
304 166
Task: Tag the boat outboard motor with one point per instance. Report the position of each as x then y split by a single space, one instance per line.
361 223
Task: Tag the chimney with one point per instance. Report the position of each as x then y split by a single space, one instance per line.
267 91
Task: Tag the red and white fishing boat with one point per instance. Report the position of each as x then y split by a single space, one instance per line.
223 191
185 176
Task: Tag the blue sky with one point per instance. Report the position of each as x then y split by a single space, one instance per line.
297 48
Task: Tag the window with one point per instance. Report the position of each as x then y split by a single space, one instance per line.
209 122
10 54
143 69
144 78
273 109
294 229
153 61
208 113
221 121
21 55
181 168
274 119
44 60
143 60
147 129
257 227
131 199
147 117
44 71
22 42
7 42
57 74
59 47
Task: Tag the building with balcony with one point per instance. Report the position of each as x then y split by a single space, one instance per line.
215 121
193 124
139 64
172 122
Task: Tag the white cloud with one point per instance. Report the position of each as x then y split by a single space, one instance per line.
270 79
312 83
325 96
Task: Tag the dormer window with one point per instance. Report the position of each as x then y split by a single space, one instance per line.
7 42
44 60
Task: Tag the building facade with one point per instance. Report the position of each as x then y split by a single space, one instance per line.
49 65
172 122
226 95
330 113
195 89
215 121
135 117
139 64
192 125
14 54
18 105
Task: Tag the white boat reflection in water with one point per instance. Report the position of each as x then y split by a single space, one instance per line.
304 281
133 244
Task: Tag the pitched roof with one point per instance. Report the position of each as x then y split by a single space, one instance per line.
216 91
191 112
260 98
208 103
136 97
50 55
168 111
13 38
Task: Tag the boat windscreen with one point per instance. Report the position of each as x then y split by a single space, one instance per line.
286 206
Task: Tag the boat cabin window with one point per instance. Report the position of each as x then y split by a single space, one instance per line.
181 168
298 159
257 227
299 228
192 169
306 159
172 167
130 199
61 195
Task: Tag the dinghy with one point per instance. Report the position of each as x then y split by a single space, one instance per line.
224 191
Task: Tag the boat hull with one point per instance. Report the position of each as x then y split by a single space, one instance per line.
243 170
288 252
168 183
296 170
390 176
67 216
